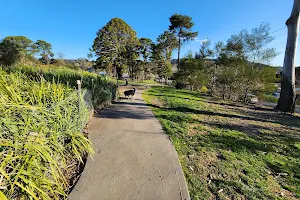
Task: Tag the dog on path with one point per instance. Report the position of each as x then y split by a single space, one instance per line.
129 93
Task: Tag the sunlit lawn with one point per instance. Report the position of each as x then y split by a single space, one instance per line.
139 82
230 151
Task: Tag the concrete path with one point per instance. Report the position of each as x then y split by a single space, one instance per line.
134 159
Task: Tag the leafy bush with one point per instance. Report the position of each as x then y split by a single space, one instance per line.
42 118
269 98
179 85
203 89
41 138
103 89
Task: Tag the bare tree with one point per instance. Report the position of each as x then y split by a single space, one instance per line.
287 98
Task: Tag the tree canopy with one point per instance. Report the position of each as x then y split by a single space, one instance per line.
116 45
167 43
44 48
182 26
20 48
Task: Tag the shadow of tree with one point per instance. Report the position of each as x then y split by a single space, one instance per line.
279 118
267 136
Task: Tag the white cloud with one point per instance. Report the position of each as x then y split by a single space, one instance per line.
197 40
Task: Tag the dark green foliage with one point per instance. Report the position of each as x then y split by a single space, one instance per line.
145 52
19 49
166 43
181 26
192 72
16 48
162 53
116 46
24 45
205 50
9 53
145 48
45 51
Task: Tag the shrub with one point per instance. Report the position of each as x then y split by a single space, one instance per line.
42 118
103 89
269 98
203 89
179 85
41 136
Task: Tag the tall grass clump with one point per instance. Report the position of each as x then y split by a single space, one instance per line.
104 89
41 136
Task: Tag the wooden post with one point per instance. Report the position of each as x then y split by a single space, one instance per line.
287 98
92 88
79 94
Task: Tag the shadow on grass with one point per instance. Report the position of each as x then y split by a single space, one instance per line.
271 139
288 120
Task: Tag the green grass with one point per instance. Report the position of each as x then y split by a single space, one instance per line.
139 82
230 151
268 98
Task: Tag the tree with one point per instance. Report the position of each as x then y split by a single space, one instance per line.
44 48
9 53
116 46
229 75
24 45
162 67
192 72
162 54
145 51
167 43
84 63
15 49
181 25
205 50
145 48
251 48
287 98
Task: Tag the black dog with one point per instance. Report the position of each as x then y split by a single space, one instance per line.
129 93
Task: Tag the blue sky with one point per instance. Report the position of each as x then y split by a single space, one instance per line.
71 25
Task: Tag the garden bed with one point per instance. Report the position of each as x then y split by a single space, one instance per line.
42 145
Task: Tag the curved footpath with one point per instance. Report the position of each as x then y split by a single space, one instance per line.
134 159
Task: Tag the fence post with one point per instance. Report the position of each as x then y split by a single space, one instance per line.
79 93
92 88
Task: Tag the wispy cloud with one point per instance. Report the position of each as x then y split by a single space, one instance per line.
197 40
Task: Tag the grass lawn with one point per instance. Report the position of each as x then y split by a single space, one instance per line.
139 82
230 151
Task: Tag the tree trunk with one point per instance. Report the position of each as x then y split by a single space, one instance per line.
224 86
178 58
287 98
245 96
